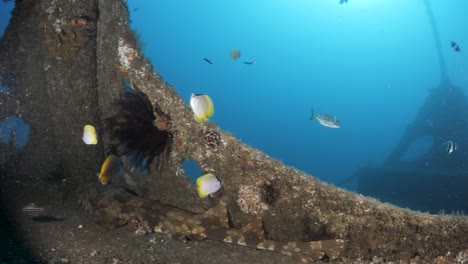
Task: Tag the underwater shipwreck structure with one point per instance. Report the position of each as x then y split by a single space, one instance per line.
436 180
71 60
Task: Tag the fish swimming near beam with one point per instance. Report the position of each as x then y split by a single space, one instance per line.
250 62
115 208
207 60
202 106
450 146
89 135
455 46
326 120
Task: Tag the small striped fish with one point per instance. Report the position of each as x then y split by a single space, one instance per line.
34 210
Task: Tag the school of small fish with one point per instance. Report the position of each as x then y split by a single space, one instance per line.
234 55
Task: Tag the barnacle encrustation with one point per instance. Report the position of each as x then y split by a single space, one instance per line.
212 138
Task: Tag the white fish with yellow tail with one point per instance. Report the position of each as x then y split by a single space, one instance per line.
235 54
326 120
111 167
208 184
202 106
89 135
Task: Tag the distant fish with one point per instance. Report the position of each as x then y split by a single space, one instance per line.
208 184
235 54
136 9
450 146
343 2
89 135
326 120
250 62
111 167
207 60
202 106
455 46
34 210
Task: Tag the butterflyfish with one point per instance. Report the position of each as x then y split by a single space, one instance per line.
326 120
235 54
455 46
202 106
111 167
208 184
89 135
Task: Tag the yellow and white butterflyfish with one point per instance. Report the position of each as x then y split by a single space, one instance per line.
111 167
235 54
208 184
89 135
202 106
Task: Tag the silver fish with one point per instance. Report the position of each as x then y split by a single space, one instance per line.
34 210
450 146
326 120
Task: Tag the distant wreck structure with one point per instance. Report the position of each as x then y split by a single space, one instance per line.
436 180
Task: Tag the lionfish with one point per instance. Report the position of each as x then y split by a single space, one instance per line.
139 129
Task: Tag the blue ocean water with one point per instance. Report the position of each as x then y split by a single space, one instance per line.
371 63
5 15
12 125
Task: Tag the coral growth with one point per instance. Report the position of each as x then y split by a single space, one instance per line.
250 200
73 37
79 21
